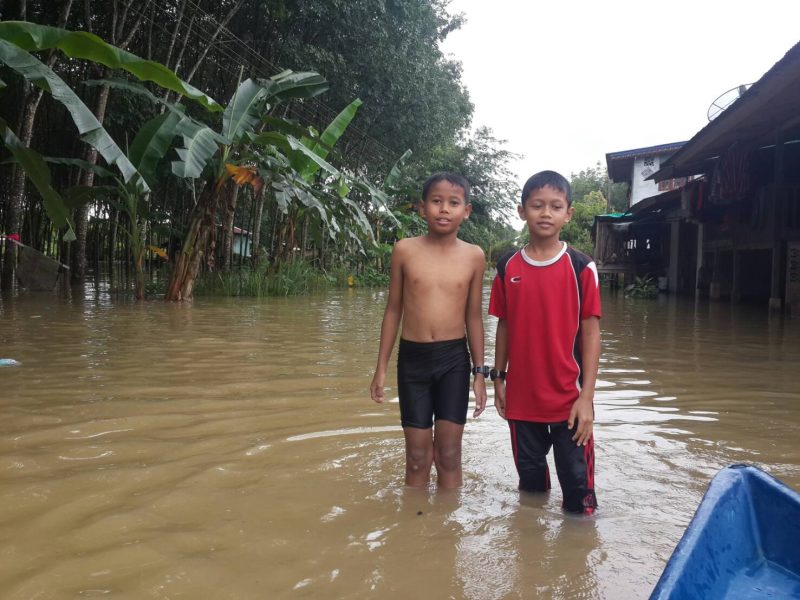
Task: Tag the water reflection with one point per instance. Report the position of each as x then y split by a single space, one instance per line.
162 450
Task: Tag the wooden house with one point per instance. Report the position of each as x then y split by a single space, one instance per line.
727 224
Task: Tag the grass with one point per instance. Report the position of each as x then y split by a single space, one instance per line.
293 279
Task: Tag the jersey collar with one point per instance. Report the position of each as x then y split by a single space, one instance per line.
544 263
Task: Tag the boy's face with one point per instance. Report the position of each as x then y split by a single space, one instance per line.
546 212
444 208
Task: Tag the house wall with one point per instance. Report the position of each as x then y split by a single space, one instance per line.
241 246
643 167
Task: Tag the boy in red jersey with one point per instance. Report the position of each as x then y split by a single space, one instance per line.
547 299
435 289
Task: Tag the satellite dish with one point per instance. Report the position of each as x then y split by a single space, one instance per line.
725 100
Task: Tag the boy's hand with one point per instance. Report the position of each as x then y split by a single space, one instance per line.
500 397
376 387
479 387
582 412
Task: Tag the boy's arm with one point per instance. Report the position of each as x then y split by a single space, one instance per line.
474 318
583 409
391 323
501 363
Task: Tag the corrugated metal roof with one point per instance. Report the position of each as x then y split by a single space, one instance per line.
648 151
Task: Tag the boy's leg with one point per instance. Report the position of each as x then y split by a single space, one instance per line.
419 455
451 401
575 468
415 387
447 453
531 442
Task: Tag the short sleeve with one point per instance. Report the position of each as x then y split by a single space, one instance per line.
497 299
590 292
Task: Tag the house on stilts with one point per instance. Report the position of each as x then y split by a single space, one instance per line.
725 221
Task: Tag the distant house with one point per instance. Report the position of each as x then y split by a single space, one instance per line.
636 166
242 244
634 243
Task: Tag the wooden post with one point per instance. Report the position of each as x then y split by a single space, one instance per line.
793 278
775 296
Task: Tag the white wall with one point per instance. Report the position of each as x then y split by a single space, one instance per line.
643 168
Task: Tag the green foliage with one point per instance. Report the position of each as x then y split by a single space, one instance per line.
483 161
87 46
329 137
151 144
642 287
413 98
577 232
291 279
385 52
38 172
595 179
372 277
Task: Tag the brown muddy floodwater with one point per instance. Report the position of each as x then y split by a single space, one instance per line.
229 450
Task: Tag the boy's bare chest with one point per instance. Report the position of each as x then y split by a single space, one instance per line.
441 277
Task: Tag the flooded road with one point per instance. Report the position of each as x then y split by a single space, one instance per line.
230 450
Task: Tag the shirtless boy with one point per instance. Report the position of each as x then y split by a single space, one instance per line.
435 290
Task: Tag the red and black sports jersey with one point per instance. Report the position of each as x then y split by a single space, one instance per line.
544 303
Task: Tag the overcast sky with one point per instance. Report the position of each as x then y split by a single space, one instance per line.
566 81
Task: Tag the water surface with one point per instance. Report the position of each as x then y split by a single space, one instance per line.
229 449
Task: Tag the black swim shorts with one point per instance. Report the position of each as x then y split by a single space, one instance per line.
433 382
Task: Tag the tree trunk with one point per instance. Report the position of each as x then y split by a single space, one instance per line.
13 222
198 244
229 211
257 224
178 23
87 179
304 237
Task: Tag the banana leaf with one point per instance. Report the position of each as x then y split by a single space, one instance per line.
271 138
200 143
81 164
329 137
286 126
288 84
152 142
87 46
90 129
38 172
394 172
242 113
135 88
309 154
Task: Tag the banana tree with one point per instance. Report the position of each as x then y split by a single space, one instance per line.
302 182
205 153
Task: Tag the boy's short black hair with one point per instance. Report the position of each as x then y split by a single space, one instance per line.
547 179
453 178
